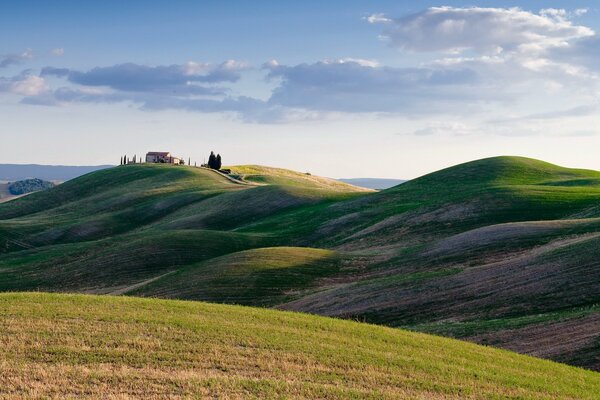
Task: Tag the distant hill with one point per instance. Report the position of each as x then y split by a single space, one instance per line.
76 346
373 183
17 172
503 251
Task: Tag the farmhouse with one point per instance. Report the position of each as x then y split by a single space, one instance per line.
162 157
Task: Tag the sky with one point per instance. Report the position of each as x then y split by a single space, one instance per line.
390 89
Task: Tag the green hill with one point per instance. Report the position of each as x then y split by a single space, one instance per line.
103 346
501 251
467 196
265 276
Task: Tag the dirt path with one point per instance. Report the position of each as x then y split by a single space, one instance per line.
232 179
126 289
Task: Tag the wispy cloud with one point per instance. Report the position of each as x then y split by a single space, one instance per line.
177 79
15 58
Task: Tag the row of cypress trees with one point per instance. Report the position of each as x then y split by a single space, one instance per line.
134 160
214 162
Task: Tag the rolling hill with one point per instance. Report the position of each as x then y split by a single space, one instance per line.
502 251
70 346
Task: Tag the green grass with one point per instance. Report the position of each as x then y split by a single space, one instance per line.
107 264
102 347
265 276
283 177
435 250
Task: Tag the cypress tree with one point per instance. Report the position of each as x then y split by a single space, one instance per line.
212 160
218 162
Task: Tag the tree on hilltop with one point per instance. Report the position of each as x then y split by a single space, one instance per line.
218 162
212 160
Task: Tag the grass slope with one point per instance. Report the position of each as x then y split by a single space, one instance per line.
265 276
103 347
285 177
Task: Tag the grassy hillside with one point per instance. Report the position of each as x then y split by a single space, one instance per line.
74 346
278 176
124 198
117 228
467 196
500 251
265 276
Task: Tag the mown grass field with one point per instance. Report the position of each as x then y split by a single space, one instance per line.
59 346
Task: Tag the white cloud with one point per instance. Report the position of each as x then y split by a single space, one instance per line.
31 85
456 128
450 29
59 51
359 61
24 84
271 64
377 18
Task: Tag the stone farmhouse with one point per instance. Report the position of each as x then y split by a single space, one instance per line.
162 157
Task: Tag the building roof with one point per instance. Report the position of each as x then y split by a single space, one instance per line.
159 153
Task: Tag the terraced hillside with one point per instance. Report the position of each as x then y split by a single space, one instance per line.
72 346
501 251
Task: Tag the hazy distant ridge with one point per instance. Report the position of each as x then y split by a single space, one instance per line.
373 183
15 172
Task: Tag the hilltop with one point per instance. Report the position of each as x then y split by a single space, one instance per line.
104 346
284 177
501 251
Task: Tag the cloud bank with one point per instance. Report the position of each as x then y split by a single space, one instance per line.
476 59
487 30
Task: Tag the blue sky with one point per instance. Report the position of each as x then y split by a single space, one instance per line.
313 86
